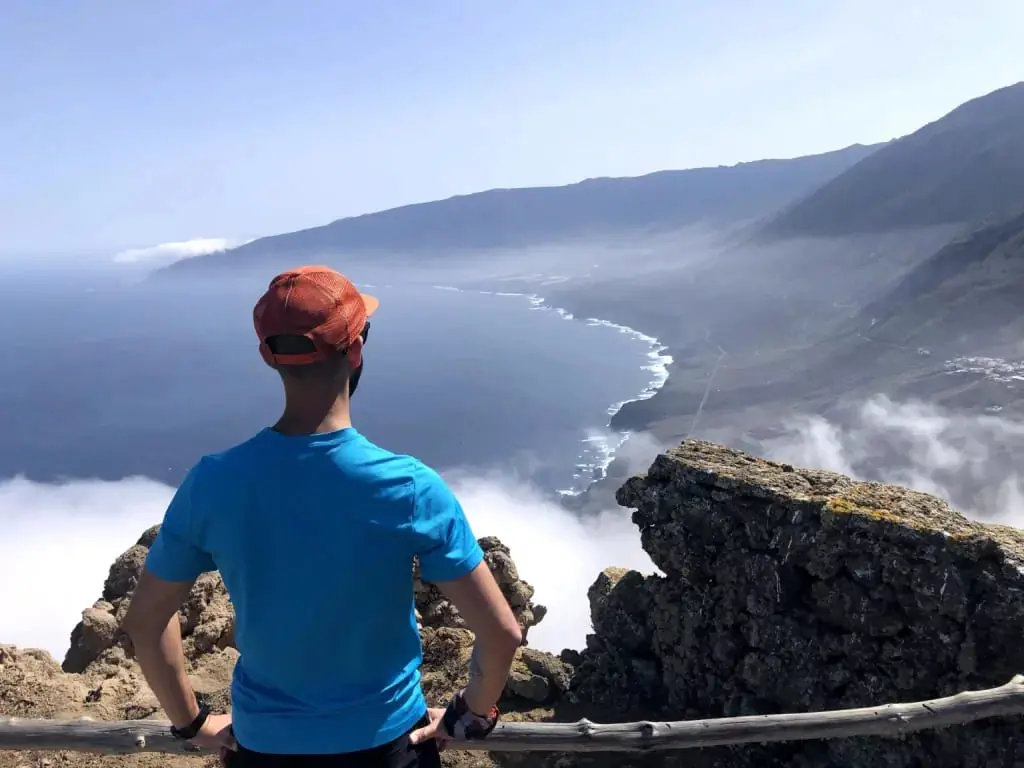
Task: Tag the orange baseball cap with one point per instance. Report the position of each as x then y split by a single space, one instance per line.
316 302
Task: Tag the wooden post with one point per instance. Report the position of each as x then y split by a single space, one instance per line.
128 736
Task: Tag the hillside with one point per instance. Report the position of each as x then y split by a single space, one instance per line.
781 590
517 217
963 167
969 288
901 276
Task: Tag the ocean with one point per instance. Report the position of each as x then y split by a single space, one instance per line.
110 388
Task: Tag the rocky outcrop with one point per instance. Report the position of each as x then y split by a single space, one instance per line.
100 679
207 619
792 590
434 610
619 672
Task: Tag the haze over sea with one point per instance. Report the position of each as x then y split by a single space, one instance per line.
111 391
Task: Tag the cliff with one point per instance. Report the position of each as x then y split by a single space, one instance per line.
789 590
781 590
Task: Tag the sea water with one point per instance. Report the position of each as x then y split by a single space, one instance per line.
105 380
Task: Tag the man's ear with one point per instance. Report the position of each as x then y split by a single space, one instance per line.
354 354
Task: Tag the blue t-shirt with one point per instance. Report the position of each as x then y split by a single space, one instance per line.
314 537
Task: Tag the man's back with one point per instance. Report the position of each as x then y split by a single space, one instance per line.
314 530
314 536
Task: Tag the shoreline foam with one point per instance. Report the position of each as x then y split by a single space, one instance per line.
600 448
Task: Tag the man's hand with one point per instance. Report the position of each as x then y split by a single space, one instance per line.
432 730
216 734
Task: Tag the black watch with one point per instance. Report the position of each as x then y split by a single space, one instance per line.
191 730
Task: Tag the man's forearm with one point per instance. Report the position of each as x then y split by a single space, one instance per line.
488 672
162 660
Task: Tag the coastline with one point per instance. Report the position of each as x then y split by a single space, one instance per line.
591 472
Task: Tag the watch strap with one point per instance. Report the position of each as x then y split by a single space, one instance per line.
191 730
462 723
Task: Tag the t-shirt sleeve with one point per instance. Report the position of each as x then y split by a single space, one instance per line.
445 544
177 554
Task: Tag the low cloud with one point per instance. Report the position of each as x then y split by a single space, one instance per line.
58 544
558 552
170 252
60 540
971 460
638 452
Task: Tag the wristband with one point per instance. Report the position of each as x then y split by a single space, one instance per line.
191 730
462 723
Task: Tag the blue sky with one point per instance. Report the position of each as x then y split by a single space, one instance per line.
124 124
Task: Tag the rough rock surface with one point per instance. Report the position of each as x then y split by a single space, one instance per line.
99 678
791 590
436 611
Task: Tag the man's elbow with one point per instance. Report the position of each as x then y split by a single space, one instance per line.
152 608
141 626
501 639
508 637
515 635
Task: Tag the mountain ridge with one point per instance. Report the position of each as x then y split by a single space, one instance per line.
511 217
960 168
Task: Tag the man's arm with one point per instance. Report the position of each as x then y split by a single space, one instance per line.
173 563
152 623
498 635
451 558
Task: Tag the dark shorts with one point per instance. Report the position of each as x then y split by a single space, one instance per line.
395 754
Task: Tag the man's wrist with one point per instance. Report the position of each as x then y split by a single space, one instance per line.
461 722
477 705
188 714
197 714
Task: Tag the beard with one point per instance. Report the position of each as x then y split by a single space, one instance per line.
353 380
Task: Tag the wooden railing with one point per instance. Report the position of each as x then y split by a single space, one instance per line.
128 736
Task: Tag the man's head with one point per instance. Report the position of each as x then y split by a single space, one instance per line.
312 323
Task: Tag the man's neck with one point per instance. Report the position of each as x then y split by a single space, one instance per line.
306 420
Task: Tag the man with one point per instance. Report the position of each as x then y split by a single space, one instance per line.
313 529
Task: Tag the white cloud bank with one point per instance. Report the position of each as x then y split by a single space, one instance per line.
170 252
557 552
967 459
59 540
57 545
